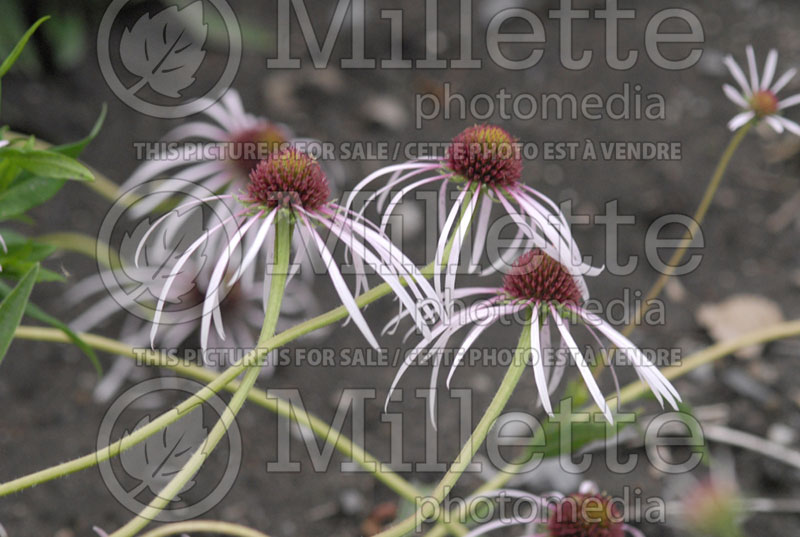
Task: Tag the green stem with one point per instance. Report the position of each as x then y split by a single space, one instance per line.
81 243
104 186
343 444
283 242
204 526
474 442
220 429
632 392
219 382
697 220
169 417
259 397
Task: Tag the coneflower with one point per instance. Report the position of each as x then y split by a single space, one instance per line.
541 290
758 96
244 139
485 164
291 186
586 513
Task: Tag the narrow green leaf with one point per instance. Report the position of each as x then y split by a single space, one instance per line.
13 307
35 312
581 433
27 194
74 149
46 163
17 50
8 172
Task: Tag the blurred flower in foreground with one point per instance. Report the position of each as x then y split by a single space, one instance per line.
241 308
235 143
539 289
291 185
485 162
758 97
713 509
587 513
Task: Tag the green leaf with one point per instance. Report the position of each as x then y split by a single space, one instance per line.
581 433
22 253
75 148
27 194
8 172
35 312
17 50
13 307
46 163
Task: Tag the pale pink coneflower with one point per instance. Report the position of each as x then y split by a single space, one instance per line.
134 303
484 161
544 288
244 139
586 513
290 184
757 96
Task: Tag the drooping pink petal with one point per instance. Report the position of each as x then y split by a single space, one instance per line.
339 284
481 230
211 301
735 96
537 361
583 368
783 80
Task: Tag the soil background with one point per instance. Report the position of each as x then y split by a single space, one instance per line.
48 415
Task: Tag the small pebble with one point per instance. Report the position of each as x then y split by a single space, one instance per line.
352 502
781 434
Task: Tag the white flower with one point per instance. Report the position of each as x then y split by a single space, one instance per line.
236 142
539 284
290 184
758 96
485 163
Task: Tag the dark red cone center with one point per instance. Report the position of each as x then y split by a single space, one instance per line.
537 276
487 154
288 178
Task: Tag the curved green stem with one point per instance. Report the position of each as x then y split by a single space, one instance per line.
283 242
219 382
475 440
220 429
259 397
697 220
70 241
204 526
630 393
169 417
